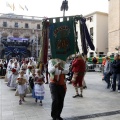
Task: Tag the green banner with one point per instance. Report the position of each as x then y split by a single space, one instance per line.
62 39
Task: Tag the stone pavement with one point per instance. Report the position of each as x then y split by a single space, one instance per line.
98 103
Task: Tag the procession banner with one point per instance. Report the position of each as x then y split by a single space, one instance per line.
44 47
62 39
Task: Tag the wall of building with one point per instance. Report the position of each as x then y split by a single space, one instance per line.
113 26
102 33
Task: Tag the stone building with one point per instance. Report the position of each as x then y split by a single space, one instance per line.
19 26
114 27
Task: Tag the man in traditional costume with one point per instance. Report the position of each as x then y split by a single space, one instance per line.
57 71
78 68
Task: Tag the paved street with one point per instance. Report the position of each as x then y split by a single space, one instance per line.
98 103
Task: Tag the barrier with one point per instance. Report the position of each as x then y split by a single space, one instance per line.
90 67
98 68
94 67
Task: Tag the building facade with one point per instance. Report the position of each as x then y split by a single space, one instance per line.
97 24
114 27
19 26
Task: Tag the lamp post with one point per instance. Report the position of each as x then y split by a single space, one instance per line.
64 7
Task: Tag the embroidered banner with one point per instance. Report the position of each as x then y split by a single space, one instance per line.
62 39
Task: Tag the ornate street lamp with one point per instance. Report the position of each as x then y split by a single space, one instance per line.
64 7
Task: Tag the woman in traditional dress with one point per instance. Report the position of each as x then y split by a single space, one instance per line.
24 66
14 75
30 66
9 70
39 91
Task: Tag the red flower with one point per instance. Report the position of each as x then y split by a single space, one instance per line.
1 65
13 70
30 67
39 80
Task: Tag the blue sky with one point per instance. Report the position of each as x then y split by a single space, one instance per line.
51 8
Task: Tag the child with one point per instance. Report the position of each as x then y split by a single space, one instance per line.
21 81
38 92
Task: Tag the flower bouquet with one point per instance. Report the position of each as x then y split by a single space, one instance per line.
13 70
1 65
21 81
39 81
30 67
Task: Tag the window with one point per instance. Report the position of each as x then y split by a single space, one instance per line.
4 24
16 25
38 26
91 19
26 25
101 54
91 54
91 31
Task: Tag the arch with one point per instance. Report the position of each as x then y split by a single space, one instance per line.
26 36
4 34
16 34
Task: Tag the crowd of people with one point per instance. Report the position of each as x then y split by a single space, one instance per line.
26 78
111 72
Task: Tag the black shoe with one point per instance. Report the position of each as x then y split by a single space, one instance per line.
36 100
54 119
112 90
70 82
41 103
80 95
108 86
20 102
46 83
59 118
85 87
76 96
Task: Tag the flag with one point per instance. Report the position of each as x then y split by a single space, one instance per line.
21 7
62 39
85 37
26 8
9 5
44 49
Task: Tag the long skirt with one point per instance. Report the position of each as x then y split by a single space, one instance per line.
12 81
7 76
21 89
38 91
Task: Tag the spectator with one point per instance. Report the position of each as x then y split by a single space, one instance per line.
107 72
116 72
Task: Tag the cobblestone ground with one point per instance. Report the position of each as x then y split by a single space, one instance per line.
98 103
